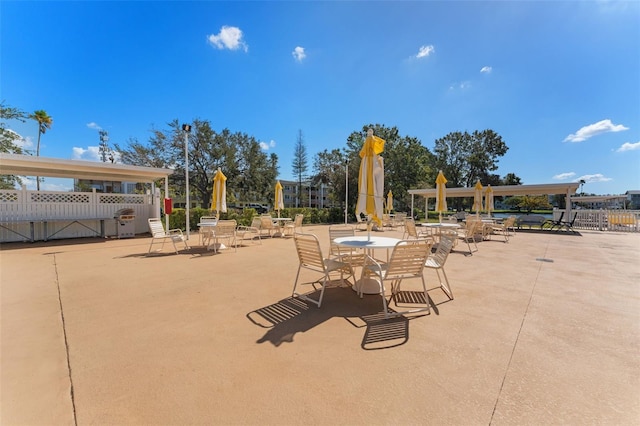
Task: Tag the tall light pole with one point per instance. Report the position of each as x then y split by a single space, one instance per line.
346 190
186 128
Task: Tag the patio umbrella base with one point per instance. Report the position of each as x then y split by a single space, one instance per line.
216 246
368 286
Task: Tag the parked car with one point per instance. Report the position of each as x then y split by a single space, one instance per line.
258 207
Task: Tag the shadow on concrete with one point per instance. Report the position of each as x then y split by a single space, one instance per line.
289 316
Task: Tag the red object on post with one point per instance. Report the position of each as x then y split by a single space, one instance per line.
168 205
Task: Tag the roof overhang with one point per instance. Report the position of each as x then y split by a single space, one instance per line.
505 190
26 165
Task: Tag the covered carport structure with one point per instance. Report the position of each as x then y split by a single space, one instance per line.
567 189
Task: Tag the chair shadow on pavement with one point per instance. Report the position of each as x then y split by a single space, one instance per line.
289 316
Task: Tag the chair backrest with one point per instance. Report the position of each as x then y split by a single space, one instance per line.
472 226
156 227
443 249
509 222
309 252
226 227
266 222
256 222
453 219
337 231
297 223
407 259
410 228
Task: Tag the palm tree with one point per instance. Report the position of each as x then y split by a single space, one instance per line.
44 124
582 182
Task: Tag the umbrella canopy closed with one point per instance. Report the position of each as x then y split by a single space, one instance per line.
488 200
389 202
477 198
219 196
441 194
279 198
371 178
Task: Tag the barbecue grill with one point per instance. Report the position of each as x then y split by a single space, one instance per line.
125 223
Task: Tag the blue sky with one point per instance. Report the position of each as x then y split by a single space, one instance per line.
559 81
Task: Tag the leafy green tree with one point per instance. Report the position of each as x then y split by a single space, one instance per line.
529 203
8 141
464 158
329 168
511 179
300 165
250 172
44 124
254 176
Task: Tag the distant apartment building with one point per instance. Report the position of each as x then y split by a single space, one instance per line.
633 197
313 196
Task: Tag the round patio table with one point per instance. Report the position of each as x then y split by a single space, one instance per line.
369 244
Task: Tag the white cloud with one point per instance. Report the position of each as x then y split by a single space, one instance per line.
299 54
91 153
628 146
265 146
486 69
228 38
564 176
425 51
48 184
94 125
591 130
24 143
593 178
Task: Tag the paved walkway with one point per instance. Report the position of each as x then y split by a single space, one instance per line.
543 330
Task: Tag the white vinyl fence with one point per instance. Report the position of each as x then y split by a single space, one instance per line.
604 220
44 215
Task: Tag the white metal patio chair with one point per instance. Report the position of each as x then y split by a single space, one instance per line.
310 258
159 234
469 231
361 223
437 260
411 231
252 230
291 228
267 225
224 230
206 232
502 229
346 254
406 262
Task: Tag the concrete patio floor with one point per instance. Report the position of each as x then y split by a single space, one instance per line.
542 330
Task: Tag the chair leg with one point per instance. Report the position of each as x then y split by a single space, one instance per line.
304 297
444 284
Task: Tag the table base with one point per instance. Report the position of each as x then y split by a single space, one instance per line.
368 286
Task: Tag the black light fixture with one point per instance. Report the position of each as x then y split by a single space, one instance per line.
186 128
